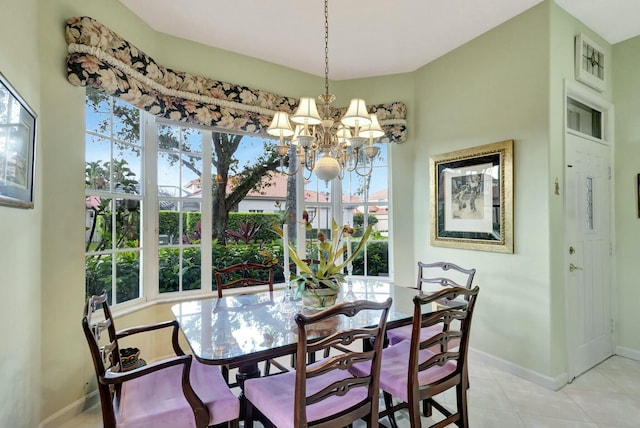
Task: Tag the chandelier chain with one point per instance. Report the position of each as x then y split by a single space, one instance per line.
324 145
326 46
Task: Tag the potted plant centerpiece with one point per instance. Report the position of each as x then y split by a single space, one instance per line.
319 284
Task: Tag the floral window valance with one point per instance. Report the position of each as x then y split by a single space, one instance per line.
100 58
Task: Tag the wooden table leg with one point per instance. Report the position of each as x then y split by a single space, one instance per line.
245 372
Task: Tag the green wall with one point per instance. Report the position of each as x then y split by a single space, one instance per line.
495 88
505 84
626 93
20 241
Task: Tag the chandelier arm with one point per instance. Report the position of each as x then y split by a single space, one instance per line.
284 172
355 163
366 174
305 173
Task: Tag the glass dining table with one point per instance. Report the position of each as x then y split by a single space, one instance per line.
242 330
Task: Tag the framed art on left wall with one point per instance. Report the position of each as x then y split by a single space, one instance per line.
17 148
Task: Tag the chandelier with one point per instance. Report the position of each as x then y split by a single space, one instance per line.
321 144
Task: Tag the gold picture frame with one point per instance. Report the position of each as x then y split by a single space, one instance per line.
472 198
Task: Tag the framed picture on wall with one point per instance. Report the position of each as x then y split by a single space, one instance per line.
472 198
17 148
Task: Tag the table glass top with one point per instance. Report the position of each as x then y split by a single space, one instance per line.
243 326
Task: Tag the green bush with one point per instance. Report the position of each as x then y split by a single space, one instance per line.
377 253
265 220
98 268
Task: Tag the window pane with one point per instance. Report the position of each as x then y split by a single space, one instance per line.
128 223
98 112
168 175
98 221
584 119
169 262
192 175
126 122
127 169
97 155
168 218
191 271
127 276
98 274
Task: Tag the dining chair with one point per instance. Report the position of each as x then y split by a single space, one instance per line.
432 277
325 394
418 370
245 275
174 392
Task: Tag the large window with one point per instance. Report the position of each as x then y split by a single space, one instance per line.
360 200
179 189
187 218
113 198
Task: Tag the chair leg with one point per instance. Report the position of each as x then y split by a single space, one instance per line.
267 367
461 393
248 414
388 403
427 411
414 414
225 373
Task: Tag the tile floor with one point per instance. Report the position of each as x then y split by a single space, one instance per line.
608 396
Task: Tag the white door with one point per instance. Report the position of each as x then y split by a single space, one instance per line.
588 198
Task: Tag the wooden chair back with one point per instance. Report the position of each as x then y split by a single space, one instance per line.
447 348
443 274
243 275
308 326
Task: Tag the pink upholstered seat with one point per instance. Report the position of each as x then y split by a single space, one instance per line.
275 396
324 394
158 401
394 379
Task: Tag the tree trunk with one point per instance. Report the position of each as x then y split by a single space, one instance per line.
291 201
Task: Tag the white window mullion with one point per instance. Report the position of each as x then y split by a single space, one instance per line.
150 208
206 209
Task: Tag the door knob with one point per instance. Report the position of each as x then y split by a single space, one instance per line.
573 267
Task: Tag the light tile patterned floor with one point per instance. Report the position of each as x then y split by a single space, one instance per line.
607 396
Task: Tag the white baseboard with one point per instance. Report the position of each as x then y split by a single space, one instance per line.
632 354
514 369
71 411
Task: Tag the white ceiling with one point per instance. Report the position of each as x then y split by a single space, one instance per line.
366 37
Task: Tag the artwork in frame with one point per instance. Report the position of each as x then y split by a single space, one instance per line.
590 63
472 198
17 148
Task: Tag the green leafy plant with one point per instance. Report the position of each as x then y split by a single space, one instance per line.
328 273
245 233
